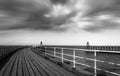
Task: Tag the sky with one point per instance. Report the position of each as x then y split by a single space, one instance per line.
59 22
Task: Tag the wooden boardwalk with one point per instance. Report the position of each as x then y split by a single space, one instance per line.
27 63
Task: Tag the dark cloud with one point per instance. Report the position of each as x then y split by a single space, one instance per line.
14 7
28 14
102 25
102 7
33 17
59 1
107 6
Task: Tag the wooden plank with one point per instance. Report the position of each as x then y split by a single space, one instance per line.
27 63
8 67
47 70
19 70
36 66
7 64
40 69
29 68
24 66
14 70
36 72
53 67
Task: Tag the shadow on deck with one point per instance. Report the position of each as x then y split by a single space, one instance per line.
6 59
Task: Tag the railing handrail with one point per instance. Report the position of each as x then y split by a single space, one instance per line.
88 58
88 50
75 62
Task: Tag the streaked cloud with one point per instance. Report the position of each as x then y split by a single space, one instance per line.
86 15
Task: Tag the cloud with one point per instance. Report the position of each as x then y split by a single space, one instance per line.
59 14
103 22
96 6
30 14
24 14
88 16
59 1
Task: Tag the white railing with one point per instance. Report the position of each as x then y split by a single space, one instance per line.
74 56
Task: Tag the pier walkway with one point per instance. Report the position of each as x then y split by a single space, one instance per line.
27 63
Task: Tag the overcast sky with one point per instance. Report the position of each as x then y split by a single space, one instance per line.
60 22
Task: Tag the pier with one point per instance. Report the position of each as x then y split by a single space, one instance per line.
26 63
62 61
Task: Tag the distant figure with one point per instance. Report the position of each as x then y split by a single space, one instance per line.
42 48
87 45
41 43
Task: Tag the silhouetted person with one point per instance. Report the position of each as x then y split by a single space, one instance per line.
87 45
42 48
41 43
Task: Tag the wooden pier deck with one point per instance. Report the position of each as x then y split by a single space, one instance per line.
26 63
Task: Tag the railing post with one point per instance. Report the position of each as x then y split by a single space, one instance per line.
95 64
45 51
74 62
62 55
54 51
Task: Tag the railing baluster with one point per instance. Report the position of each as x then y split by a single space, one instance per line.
95 64
54 52
45 51
62 55
74 59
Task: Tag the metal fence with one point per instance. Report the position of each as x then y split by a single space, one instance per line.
52 51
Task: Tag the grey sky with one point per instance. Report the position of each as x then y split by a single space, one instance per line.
59 16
